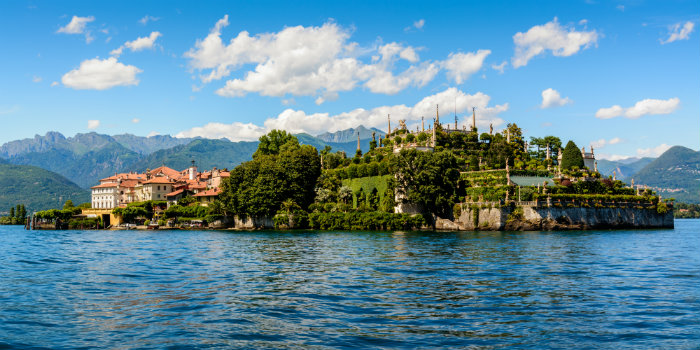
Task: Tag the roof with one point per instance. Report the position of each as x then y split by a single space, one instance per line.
209 193
531 180
128 183
106 185
159 180
175 193
166 171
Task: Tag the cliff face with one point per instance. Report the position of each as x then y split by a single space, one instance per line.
528 218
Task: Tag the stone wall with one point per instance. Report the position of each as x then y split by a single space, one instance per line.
250 223
529 218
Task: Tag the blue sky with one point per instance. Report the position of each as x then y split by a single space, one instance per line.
623 76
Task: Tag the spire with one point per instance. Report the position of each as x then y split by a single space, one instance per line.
388 117
474 118
358 141
432 141
422 122
437 114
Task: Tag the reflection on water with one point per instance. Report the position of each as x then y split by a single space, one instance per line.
126 289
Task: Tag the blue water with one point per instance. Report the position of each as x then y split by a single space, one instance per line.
208 289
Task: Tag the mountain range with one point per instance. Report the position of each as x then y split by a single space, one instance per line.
86 158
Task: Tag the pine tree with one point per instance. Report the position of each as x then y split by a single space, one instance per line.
22 212
571 156
12 212
18 211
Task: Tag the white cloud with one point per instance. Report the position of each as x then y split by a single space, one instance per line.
234 132
55 83
460 66
552 98
297 121
135 120
419 24
153 133
36 79
304 61
678 32
93 124
97 74
77 26
603 142
139 44
641 108
561 41
499 67
147 19
653 151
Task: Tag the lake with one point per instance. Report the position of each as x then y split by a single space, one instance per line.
632 289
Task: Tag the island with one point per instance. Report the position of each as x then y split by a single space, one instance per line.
439 176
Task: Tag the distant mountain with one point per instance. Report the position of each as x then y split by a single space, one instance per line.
624 169
676 173
148 145
36 188
349 135
206 153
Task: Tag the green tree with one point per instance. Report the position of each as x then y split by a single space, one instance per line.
272 142
427 179
22 212
12 212
68 204
571 157
18 212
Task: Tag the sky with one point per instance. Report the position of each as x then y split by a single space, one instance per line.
622 76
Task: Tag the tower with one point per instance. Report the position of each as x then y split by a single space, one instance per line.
358 141
437 114
474 118
192 170
432 141
388 117
422 122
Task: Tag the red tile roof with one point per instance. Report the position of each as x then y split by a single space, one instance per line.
209 193
175 193
159 180
106 185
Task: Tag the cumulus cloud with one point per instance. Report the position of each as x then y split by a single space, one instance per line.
77 26
641 108
552 98
97 74
93 124
147 19
304 61
297 121
499 67
679 32
460 66
561 41
653 151
139 44
603 142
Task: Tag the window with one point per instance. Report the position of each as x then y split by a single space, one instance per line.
158 196
158 187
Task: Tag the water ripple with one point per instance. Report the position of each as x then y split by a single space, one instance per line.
321 290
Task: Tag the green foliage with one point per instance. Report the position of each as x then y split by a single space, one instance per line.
36 188
130 213
368 184
192 211
272 142
428 179
259 187
675 169
185 201
686 211
365 221
571 157
68 204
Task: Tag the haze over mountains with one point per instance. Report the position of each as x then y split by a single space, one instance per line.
80 161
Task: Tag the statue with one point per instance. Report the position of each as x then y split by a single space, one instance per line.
491 129
402 124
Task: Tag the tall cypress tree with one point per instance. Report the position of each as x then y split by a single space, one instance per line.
12 212
571 156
